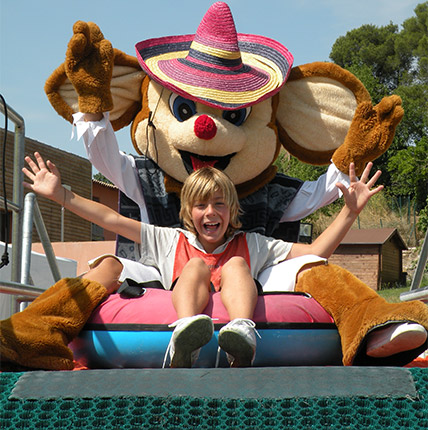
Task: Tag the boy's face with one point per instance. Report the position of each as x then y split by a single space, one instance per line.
211 220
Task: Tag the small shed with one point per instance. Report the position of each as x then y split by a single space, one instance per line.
373 255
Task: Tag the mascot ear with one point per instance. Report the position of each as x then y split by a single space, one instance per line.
125 89
316 108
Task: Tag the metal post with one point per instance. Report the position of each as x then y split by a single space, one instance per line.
32 212
47 245
18 189
67 187
417 277
27 232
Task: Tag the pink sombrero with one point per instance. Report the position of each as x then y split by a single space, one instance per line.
217 66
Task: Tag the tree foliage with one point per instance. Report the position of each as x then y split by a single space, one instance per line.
394 60
100 177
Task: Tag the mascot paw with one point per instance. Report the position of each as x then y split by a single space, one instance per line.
89 66
370 133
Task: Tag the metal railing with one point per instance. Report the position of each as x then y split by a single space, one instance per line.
17 190
416 292
24 214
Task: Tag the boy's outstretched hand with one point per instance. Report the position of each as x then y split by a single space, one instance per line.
46 179
359 192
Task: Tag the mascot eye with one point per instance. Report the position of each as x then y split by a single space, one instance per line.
181 108
237 117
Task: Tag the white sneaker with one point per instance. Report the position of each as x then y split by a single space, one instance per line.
189 335
395 338
238 340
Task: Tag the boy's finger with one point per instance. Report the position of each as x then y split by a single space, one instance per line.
352 175
374 179
27 185
40 160
342 187
30 175
53 168
366 172
32 164
376 190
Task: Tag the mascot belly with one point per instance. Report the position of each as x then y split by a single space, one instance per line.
133 332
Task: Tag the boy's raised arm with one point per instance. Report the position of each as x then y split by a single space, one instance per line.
46 182
356 198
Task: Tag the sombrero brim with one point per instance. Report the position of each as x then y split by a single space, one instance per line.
264 69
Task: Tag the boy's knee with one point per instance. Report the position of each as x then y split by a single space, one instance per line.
197 267
236 263
107 272
197 264
236 266
111 265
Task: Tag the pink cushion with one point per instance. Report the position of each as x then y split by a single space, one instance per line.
155 307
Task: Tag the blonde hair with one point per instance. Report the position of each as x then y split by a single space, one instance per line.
200 186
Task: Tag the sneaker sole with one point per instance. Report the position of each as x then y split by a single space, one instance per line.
234 344
396 342
194 336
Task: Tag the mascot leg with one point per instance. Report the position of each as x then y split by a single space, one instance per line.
38 336
358 310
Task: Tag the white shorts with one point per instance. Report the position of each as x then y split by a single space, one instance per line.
131 269
280 277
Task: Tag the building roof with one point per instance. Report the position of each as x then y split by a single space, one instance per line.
372 236
104 184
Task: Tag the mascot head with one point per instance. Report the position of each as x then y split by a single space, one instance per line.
210 100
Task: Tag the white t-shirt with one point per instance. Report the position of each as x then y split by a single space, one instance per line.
159 244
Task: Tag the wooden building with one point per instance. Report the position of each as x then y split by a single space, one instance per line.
372 255
107 194
76 173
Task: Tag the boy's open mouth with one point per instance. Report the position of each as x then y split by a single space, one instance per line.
211 227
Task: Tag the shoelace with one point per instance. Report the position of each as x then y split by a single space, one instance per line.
250 323
168 348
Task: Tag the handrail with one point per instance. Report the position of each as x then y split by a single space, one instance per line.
423 257
17 288
32 212
24 213
17 190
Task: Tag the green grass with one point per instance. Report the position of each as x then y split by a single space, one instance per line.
392 295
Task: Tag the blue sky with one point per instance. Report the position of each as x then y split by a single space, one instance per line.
34 37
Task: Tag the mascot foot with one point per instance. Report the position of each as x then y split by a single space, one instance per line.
38 336
395 338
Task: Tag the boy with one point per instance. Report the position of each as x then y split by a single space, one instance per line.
211 253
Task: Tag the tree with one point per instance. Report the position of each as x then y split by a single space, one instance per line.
373 47
409 172
100 177
389 60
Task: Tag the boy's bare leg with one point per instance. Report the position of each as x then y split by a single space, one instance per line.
239 296
191 292
238 289
107 272
192 330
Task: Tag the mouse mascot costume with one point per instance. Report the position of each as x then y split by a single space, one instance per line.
231 101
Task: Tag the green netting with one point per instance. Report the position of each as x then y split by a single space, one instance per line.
203 413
